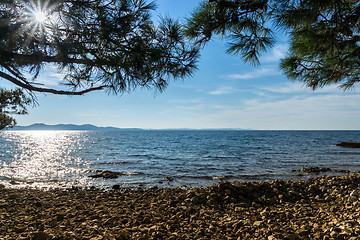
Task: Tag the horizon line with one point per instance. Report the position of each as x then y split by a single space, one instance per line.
168 129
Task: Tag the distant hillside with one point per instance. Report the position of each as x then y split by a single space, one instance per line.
67 127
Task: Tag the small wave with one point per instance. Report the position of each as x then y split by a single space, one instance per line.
21 181
115 163
152 157
206 177
115 172
137 155
233 177
258 177
221 157
216 157
347 153
142 156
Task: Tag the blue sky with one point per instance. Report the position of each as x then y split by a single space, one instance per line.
223 93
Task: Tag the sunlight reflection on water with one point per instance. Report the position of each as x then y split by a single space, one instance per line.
62 159
41 157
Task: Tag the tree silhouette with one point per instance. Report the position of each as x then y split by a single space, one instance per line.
324 35
11 102
108 45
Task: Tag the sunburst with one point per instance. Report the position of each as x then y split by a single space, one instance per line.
40 17
38 12
36 17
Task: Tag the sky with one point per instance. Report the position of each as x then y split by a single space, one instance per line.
223 93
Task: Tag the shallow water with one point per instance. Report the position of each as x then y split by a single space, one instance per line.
167 158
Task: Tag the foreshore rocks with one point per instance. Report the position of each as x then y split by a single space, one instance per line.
326 207
106 174
349 144
317 170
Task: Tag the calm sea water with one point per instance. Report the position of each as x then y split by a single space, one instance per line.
167 158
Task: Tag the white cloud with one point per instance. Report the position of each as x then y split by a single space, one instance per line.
278 52
263 72
187 101
330 111
224 91
286 88
223 107
194 107
50 77
295 87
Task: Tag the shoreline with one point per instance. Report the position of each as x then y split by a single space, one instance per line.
325 207
301 174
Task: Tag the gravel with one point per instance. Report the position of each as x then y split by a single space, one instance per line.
326 207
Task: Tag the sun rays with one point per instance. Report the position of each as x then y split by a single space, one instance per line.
38 12
36 18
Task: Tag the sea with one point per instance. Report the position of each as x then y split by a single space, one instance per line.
168 158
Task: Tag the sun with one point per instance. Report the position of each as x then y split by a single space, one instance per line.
40 16
37 13
37 18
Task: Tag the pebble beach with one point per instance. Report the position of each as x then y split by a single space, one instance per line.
326 207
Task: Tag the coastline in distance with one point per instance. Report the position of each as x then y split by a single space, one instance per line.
69 127
90 127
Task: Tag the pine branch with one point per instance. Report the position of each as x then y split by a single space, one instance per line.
30 87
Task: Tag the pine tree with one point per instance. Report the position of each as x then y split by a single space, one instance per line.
110 45
325 42
12 102
324 35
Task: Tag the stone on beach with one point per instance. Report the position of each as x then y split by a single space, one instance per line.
106 175
326 207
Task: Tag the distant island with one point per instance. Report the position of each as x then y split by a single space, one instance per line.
69 127
90 127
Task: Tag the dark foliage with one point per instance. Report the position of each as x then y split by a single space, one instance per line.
324 35
97 45
12 102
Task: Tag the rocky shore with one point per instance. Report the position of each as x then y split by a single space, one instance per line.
326 207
